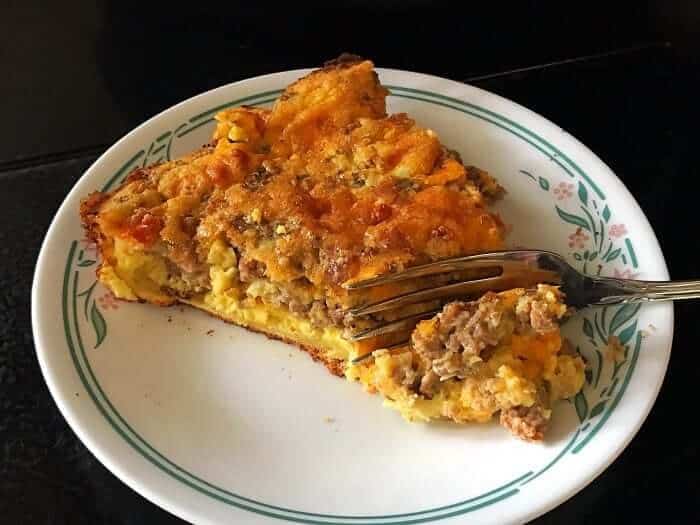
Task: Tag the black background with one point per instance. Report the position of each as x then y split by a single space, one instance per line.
78 75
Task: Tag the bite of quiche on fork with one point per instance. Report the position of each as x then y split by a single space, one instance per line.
263 226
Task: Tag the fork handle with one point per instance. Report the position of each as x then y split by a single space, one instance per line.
610 290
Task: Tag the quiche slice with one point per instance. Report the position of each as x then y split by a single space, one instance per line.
264 225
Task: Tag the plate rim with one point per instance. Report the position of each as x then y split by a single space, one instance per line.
182 510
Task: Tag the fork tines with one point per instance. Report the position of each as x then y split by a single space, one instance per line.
405 323
470 262
478 274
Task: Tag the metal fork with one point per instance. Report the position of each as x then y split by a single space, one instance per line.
510 269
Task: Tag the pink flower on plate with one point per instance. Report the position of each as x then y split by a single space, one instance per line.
108 301
564 190
578 239
624 274
617 230
89 246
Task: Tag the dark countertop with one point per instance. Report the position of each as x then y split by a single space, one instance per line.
624 82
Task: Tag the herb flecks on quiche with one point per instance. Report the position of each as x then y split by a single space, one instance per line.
264 225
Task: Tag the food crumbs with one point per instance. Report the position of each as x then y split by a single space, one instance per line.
652 328
210 332
614 351
328 419
170 318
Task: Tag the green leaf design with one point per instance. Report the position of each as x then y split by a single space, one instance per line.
589 375
573 219
622 315
613 255
592 256
587 328
86 262
88 290
599 365
627 333
611 391
99 324
544 183
146 161
598 409
582 193
606 213
88 294
599 327
578 257
581 406
601 239
591 221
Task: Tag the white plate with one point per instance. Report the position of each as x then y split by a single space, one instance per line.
227 426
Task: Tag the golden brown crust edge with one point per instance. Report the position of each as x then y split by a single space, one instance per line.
334 366
89 208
